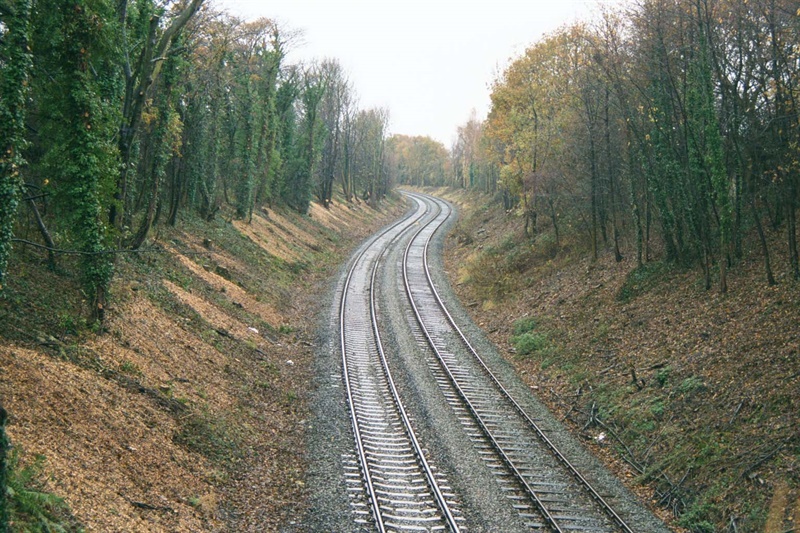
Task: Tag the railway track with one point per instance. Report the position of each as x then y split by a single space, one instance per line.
548 492
393 485
401 489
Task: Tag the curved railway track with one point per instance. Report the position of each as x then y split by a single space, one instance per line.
546 489
401 488
395 488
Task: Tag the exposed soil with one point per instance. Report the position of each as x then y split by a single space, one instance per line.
692 396
187 412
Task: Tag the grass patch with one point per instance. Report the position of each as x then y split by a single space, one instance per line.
642 279
524 325
209 436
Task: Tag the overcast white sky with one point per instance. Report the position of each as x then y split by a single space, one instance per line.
429 62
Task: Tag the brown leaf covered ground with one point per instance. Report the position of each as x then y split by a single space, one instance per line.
700 387
186 413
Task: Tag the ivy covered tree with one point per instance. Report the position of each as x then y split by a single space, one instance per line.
130 113
15 65
78 93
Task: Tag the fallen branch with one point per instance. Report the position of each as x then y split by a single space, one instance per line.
736 412
763 459
147 506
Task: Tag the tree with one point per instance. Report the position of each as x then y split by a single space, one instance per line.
76 49
15 65
155 39
418 161
335 107
470 158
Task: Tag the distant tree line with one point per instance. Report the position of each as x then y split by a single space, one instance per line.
419 161
118 116
672 124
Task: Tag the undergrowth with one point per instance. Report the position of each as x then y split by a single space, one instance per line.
30 508
527 341
642 279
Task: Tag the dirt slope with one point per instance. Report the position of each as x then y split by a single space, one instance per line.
693 396
186 413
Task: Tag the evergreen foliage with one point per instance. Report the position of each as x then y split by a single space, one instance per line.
15 64
138 111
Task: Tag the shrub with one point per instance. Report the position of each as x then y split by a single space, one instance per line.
691 384
529 343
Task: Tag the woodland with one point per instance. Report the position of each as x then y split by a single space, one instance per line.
118 116
671 125
120 120
665 133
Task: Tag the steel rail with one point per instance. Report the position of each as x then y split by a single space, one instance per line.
369 484
591 491
440 499
465 399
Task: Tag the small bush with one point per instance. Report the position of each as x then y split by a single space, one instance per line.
662 376
129 367
520 259
508 244
490 281
657 408
529 343
695 518
546 244
691 384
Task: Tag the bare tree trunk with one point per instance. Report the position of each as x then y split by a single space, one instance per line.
611 172
594 193
554 218
176 191
791 230
706 266
762 238
51 260
648 220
